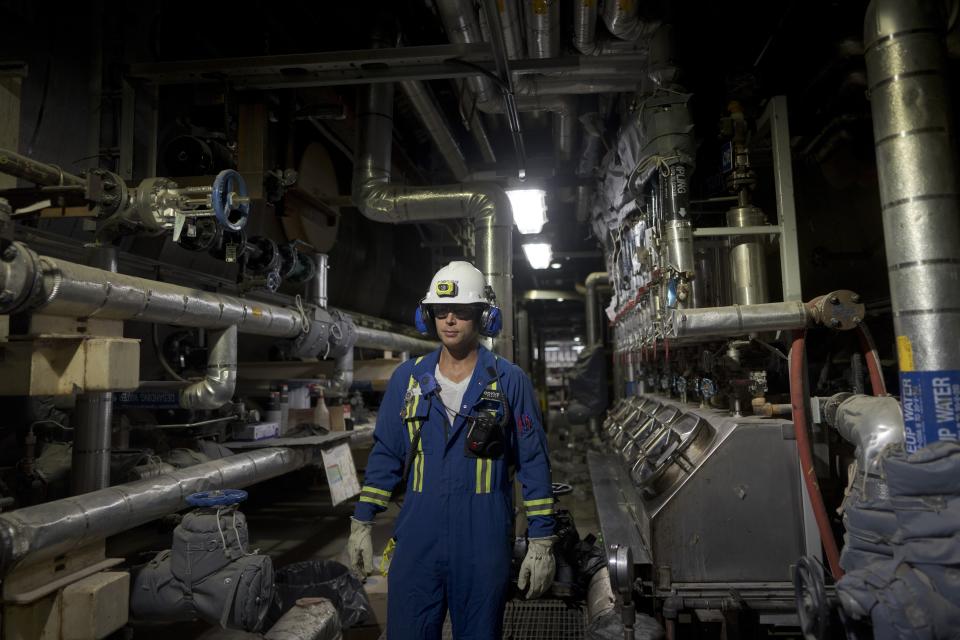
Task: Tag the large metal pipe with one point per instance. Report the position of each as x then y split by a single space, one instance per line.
14 164
585 38
748 268
592 306
623 20
510 26
870 423
90 459
384 340
739 319
543 28
486 204
437 127
917 168
218 384
43 531
317 292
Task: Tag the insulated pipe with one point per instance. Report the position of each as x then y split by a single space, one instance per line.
47 530
14 164
543 28
870 423
914 129
385 341
218 384
576 84
463 27
585 26
486 204
739 319
90 460
510 26
437 127
317 293
592 306
562 106
622 18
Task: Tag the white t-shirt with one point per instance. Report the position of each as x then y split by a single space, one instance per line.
451 393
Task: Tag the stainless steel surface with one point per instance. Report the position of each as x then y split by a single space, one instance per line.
486 204
619 507
717 232
220 380
592 310
47 530
90 461
678 236
871 424
435 123
623 20
318 286
775 120
368 338
739 319
542 18
14 164
914 131
748 268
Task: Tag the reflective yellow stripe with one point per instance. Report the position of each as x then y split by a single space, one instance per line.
489 470
533 503
375 490
382 503
479 475
542 512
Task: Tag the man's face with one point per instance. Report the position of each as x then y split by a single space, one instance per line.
457 324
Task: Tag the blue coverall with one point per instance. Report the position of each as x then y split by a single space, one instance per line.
454 535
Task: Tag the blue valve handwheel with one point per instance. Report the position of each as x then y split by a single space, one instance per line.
217 498
232 218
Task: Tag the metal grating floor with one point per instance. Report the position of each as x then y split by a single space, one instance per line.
537 620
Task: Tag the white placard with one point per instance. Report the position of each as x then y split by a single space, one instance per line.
341 474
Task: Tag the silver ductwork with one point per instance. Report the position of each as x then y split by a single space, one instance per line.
543 28
462 27
385 341
593 282
739 319
47 530
36 283
486 204
218 384
623 20
418 93
510 26
871 423
917 167
585 33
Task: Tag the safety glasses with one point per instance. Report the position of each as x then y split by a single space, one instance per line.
461 311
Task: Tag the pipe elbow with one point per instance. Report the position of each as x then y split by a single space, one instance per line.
217 386
872 424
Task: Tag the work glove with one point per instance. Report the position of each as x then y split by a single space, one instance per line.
360 547
538 567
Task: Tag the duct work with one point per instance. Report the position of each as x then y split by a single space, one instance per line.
486 204
217 386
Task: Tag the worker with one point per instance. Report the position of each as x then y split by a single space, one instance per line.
453 427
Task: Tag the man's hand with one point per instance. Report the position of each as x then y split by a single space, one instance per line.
538 567
360 547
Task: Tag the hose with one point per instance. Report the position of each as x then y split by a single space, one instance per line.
869 349
798 398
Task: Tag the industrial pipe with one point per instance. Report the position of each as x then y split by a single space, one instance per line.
917 166
317 293
871 424
218 384
592 306
622 18
14 164
510 26
486 204
368 338
43 531
739 319
437 127
543 28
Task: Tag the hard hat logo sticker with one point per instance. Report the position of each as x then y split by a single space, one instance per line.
446 289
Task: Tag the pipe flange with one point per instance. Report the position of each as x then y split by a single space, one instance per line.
841 310
204 235
263 255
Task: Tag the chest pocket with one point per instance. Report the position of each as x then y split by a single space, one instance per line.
493 405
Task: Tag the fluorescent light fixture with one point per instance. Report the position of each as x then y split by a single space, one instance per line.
555 265
538 254
529 209
576 339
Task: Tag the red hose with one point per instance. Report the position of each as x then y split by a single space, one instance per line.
872 358
798 398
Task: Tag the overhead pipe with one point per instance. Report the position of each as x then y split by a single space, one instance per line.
44 531
218 384
14 164
317 287
917 167
623 20
433 120
486 204
510 26
870 423
543 28
585 38
368 338
739 319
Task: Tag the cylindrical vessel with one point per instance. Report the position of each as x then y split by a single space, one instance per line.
748 270
739 319
318 290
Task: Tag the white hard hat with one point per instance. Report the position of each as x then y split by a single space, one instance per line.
457 283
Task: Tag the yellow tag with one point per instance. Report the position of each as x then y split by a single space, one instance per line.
387 556
257 311
905 353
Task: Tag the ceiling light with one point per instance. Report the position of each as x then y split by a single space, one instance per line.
538 254
555 265
576 339
529 209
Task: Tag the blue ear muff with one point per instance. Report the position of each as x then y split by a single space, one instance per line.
421 320
491 322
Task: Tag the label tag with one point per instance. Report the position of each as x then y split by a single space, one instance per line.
931 407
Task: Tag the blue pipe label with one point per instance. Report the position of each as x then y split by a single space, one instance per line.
160 399
931 407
